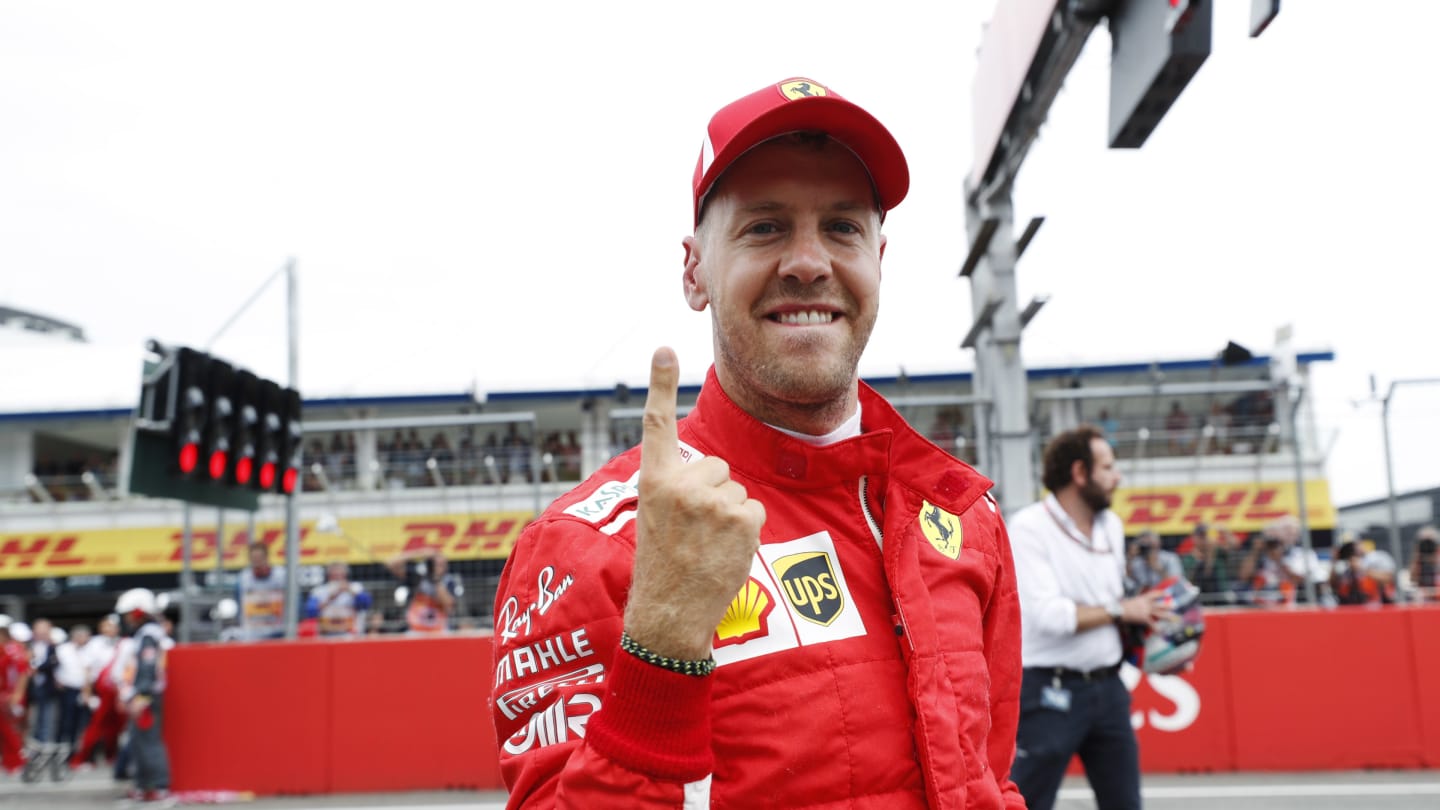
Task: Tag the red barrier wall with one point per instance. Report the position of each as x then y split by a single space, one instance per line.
1300 690
1272 690
332 716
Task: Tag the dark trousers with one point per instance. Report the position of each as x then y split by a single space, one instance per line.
1097 727
147 748
73 715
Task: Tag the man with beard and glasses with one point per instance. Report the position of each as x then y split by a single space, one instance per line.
789 598
1070 567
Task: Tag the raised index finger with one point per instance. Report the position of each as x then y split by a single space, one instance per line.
659 445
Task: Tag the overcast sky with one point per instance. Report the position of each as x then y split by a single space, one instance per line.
492 195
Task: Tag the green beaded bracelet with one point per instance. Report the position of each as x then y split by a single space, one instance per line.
698 669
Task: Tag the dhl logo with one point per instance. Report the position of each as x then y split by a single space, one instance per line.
57 553
161 549
1242 507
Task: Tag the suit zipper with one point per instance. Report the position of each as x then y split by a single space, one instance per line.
898 617
869 517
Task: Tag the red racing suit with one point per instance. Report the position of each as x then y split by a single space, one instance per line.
872 660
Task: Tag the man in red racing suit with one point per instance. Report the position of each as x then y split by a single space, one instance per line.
869 652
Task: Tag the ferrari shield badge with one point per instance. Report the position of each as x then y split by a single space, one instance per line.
942 529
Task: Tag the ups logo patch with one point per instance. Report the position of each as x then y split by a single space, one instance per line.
809 583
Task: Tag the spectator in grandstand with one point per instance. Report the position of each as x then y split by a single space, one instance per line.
1069 563
1424 571
430 590
1208 563
375 623
517 454
828 678
315 456
261 595
1177 429
1379 565
570 458
42 693
1217 424
1153 563
1250 416
1271 579
14 673
1108 425
441 452
467 456
1352 582
70 683
338 605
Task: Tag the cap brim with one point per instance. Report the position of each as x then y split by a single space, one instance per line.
847 123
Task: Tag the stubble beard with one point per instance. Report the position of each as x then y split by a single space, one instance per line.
1095 496
799 382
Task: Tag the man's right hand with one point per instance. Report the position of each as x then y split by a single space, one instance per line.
696 533
1146 608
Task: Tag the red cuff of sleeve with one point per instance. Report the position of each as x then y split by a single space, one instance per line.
654 721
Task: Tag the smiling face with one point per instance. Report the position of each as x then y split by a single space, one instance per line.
787 258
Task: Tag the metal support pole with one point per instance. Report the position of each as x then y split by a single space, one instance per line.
292 522
1395 544
1299 393
219 534
1390 481
999 371
187 576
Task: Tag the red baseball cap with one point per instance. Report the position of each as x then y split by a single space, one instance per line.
796 105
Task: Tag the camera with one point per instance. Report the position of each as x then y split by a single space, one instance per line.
1428 545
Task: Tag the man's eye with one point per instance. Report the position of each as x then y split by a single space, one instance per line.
762 228
844 227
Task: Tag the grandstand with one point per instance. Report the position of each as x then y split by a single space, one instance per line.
1198 439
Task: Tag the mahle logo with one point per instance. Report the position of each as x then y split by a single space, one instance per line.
809 583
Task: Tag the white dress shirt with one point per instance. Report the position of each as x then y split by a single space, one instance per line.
70 666
1056 568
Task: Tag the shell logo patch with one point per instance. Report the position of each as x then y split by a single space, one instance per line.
942 529
747 617
802 88
809 583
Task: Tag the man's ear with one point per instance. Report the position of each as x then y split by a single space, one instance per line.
883 242
693 281
1078 474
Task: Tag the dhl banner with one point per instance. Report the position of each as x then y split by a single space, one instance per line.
1241 507
157 549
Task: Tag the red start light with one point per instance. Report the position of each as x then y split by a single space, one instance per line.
217 464
267 475
189 457
243 468
287 482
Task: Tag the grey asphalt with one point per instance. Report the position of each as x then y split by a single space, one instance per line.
1379 790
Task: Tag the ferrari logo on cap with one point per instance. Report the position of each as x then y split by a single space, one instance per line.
942 529
802 88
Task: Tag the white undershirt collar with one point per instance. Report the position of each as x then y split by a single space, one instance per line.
848 429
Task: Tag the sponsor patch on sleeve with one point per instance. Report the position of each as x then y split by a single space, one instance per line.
601 504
